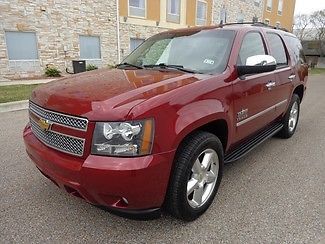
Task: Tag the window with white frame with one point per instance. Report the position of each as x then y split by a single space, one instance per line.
280 7
269 5
135 42
278 24
201 12
21 45
173 10
89 47
267 21
137 8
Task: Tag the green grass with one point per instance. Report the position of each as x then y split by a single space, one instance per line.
13 93
317 71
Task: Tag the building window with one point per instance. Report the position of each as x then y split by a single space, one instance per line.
269 5
280 7
201 13
135 42
137 8
257 3
278 24
173 10
267 21
89 47
240 18
21 45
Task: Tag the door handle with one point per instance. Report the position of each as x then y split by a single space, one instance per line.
291 77
270 84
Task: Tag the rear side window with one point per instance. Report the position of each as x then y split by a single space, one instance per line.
296 49
252 45
277 49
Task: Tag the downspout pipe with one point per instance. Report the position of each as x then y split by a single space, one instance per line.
118 31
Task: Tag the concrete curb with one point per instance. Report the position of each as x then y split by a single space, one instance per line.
25 82
13 106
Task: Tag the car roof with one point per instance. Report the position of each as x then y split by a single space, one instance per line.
231 26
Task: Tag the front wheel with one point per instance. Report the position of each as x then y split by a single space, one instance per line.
196 176
290 120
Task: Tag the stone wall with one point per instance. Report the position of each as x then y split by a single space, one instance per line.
58 24
234 8
128 31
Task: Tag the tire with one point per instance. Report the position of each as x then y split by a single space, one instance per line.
289 127
188 174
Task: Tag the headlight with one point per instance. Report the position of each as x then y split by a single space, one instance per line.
133 138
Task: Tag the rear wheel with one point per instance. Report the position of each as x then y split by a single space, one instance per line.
290 120
196 176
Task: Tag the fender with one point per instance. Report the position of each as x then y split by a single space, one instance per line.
197 114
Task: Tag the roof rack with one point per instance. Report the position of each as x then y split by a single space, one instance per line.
261 24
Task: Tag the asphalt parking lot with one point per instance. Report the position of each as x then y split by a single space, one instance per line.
276 194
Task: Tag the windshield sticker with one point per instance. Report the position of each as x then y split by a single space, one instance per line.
208 61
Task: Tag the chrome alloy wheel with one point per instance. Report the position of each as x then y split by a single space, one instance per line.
203 179
293 117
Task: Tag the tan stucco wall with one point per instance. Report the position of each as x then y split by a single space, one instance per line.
156 13
286 19
153 9
191 12
123 8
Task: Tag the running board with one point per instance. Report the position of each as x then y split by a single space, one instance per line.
246 147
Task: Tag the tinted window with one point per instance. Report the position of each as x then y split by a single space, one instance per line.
252 45
296 49
277 48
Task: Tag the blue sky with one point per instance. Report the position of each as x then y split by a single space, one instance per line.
309 6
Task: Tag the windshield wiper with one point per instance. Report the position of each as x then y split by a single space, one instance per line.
171 66
128 65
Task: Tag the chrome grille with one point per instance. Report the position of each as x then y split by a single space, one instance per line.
58 118
58 141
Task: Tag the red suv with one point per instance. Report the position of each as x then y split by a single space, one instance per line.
157 130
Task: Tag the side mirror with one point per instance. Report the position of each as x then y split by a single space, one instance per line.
257 64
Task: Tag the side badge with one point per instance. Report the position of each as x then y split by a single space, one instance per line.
243 114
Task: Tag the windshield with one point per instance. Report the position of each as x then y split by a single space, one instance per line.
204 51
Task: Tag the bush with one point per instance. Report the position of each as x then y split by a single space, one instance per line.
111 66
91 67
52 72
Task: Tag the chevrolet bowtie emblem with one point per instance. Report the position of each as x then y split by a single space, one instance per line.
44 124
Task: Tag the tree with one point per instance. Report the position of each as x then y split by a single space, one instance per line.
317 19
301 26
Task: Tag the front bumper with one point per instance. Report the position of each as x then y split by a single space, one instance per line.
126 184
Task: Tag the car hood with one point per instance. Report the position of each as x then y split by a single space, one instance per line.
108 94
